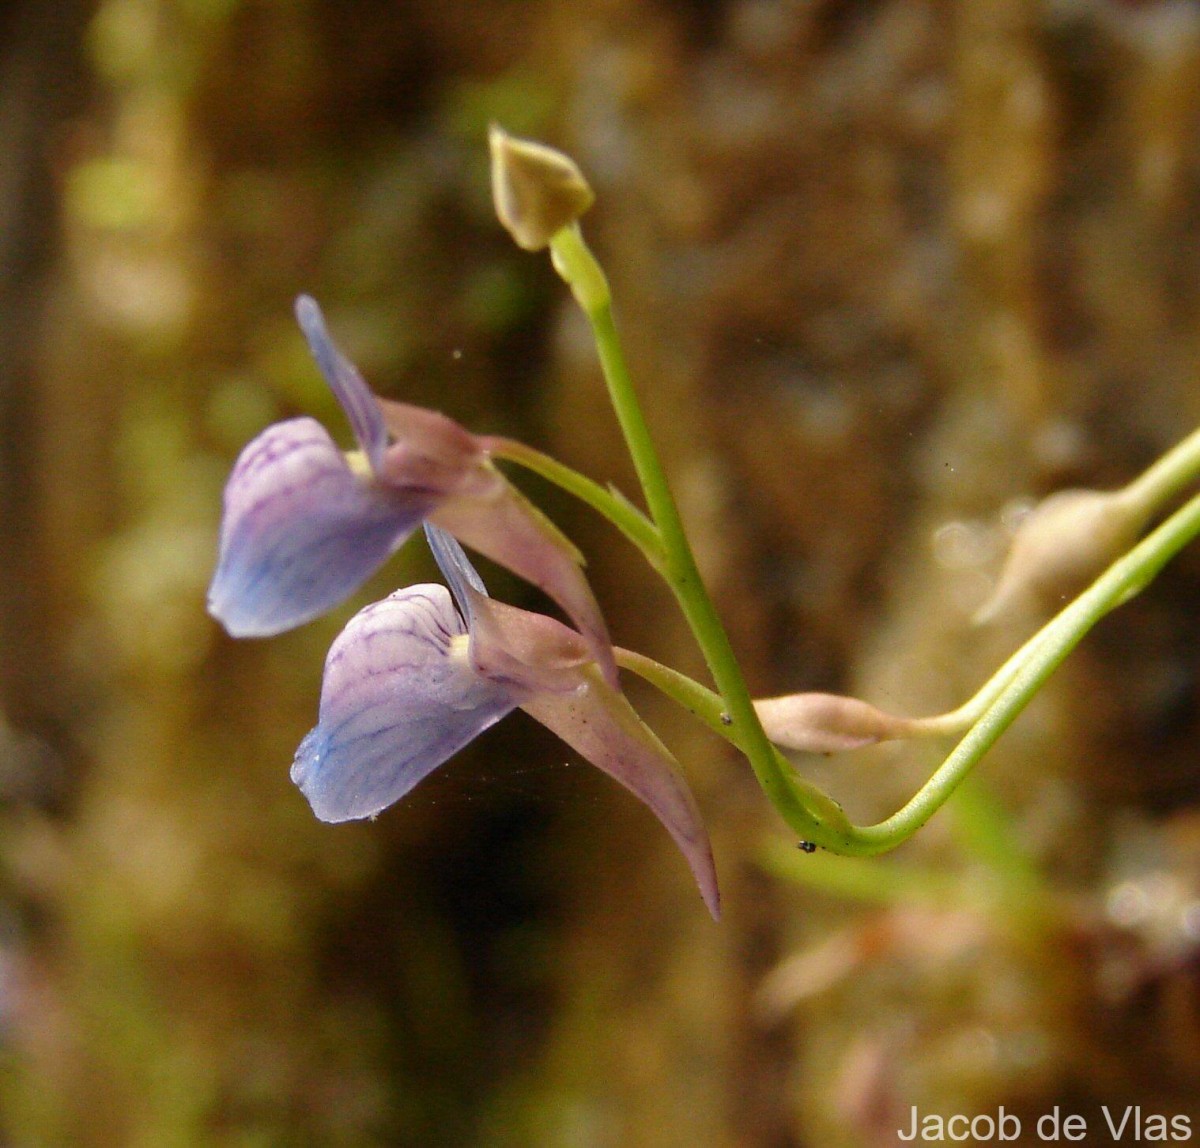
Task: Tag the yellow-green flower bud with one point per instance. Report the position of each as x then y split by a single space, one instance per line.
537 190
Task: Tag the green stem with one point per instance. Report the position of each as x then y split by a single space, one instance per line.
961 719
990 712
709 707
1164 478
698 700
612 505
819 821
998 703
807 811
1143 497
1043 654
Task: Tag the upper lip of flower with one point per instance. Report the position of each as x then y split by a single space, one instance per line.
348 386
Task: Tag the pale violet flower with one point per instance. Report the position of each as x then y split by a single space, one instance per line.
305 525
413 678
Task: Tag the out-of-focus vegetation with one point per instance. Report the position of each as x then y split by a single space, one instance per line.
886 270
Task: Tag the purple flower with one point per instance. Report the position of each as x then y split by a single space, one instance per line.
305 525
413 678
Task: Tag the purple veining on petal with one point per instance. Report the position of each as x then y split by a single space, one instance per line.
548 661
512 531
433 455
360 405
403 692
397 701
508 645
300 531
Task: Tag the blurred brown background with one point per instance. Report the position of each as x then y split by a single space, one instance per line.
886 269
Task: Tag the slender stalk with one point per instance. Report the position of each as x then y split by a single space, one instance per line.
1123 579
961 719
709 707
810 813
1143 497
989 713
614 506
791 797
1165 478
698 700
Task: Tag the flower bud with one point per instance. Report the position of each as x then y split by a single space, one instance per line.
826 723
537 190
1062 544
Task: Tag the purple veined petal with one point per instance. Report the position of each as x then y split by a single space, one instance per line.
300 531
399 698
360 405
599 723
510 530
508 645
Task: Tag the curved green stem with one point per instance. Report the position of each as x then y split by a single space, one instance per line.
1165 478
698 700
709 707
808 813
959 720
1042 656
991 711
1143 497
605 501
